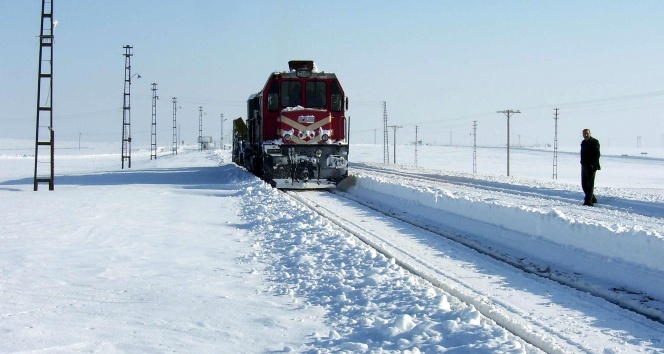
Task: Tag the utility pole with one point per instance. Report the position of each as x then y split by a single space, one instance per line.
416 146
394 143
386 153
174 147
474 146
153 145
555 145
45 102
508 113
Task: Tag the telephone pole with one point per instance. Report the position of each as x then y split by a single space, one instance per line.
508 113
394 140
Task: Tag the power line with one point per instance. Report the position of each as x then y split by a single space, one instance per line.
612 100
613 104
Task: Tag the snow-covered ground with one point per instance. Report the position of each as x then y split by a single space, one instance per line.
189 253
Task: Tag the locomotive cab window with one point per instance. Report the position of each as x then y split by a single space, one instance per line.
273 97
337 97
316 94
291 93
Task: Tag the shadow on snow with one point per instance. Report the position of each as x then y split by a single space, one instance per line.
191 177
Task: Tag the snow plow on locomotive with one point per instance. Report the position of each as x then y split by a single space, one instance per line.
296 132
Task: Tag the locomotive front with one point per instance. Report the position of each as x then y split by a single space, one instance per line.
297 129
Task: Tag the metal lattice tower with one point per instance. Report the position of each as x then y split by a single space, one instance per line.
474 146
153 145
555 146
45 96
386 148
175 132
221 141
200 127
126 110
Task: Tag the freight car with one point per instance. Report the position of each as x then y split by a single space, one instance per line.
296 132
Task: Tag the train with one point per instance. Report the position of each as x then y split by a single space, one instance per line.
296 132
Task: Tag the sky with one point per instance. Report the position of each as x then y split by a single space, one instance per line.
440 66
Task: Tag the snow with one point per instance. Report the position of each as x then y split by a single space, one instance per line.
190 253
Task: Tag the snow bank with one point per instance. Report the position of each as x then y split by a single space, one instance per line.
533 228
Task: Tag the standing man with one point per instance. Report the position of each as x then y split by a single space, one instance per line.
589 165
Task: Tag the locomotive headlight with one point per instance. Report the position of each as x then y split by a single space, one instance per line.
319 153
287 137
324 134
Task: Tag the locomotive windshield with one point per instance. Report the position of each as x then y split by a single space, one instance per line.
316 94
291 93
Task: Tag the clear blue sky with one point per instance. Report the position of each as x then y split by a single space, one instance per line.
439 65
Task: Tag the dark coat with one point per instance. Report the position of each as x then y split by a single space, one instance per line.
590 153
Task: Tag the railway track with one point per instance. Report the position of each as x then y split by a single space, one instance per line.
450 262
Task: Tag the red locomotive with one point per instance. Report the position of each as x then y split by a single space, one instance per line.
296 133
